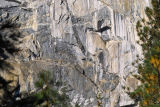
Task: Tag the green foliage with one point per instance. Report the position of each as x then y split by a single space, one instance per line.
155 105
77 105
47 95
148 93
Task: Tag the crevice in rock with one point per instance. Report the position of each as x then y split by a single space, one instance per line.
99 24
61 18
62 2
88 78
67 19
9 7
99 30
132 105
74 2
78 40
16 1
103 29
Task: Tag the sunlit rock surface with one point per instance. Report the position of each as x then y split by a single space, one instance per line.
88 44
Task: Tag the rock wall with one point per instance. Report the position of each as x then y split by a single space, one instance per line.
88 44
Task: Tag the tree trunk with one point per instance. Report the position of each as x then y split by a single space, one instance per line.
158 78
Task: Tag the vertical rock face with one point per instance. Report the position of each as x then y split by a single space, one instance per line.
88 44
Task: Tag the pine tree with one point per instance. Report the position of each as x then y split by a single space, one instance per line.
148 93
47 95
10 38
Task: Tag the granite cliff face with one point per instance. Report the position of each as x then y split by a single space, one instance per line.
88 44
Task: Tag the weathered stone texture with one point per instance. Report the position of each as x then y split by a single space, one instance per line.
88 44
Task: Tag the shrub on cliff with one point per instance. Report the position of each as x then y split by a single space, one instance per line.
148 93
48 96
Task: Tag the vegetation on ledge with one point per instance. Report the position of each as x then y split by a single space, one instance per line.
148 93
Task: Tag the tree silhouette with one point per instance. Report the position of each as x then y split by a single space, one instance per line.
48 96
10 38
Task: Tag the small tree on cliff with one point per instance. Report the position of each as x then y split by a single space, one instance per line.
148 93
48 96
